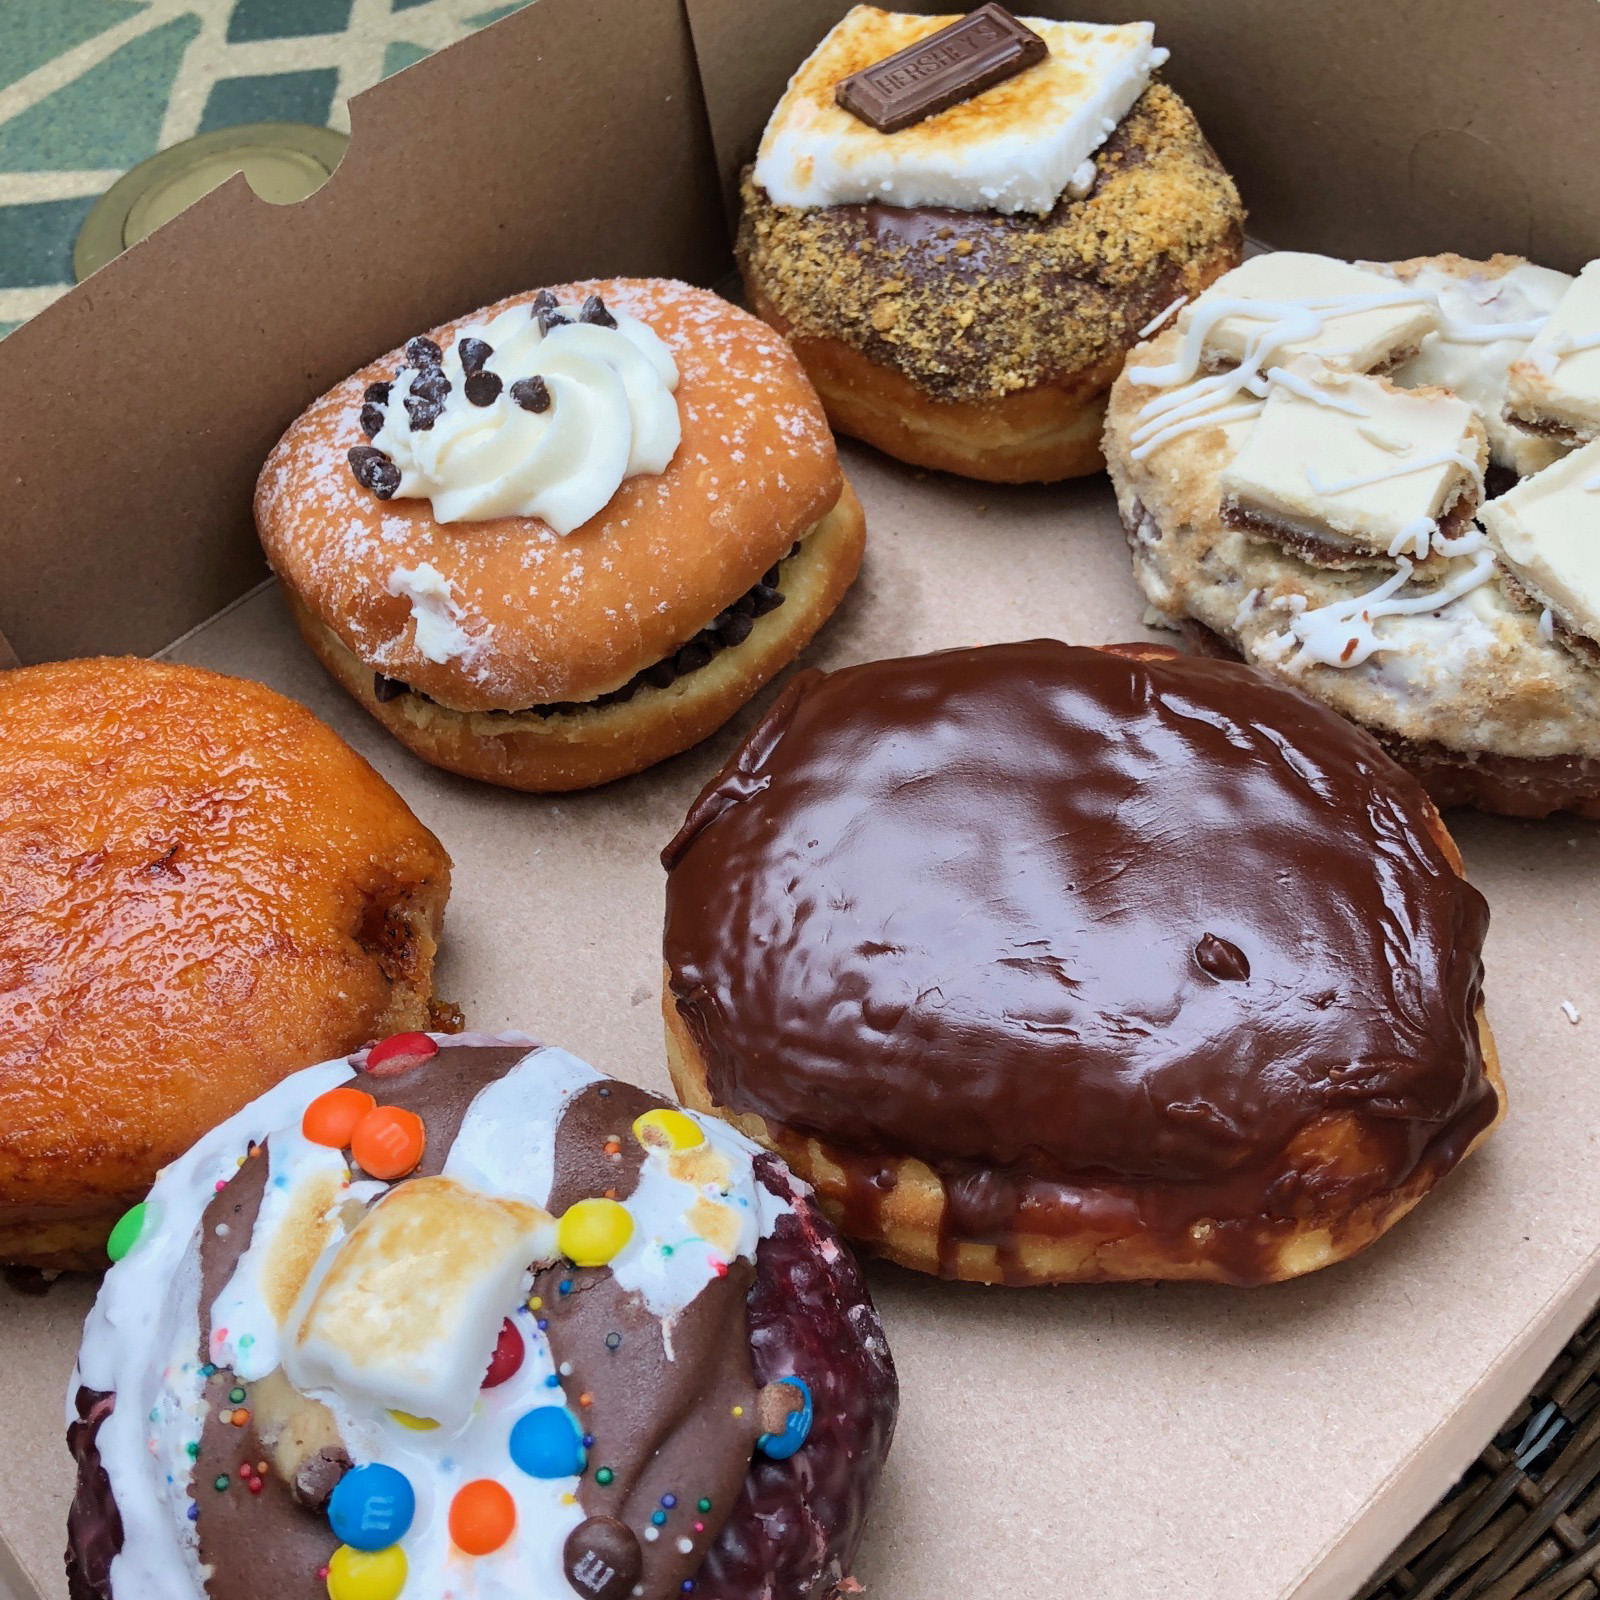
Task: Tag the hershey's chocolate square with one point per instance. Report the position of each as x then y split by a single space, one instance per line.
981 49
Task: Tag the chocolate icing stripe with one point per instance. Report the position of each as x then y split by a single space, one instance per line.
975 893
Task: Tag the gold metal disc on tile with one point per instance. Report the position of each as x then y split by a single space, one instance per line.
283 162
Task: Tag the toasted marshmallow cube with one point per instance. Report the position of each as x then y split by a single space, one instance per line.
1556 383
1014 147
1353 468
406 1313
1547 532
1286 304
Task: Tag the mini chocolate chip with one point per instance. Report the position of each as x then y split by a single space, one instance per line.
1221 959
691 657
552 319
385 689
602 1559
318 1476
769 577
424 352
765 599
473 353
431 384
378 393
737 628
594 310
482 388
423 413
662 674
543 301
371 418
374 470
532 394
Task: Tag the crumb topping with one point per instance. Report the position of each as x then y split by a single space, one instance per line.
976 305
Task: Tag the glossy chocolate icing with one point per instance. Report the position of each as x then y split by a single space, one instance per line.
661 1424
1084 933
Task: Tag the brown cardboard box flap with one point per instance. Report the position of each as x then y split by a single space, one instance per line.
1363 129
568 140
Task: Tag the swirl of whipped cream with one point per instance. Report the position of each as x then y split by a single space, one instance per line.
610 416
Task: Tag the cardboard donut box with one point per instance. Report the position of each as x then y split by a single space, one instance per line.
1116 1442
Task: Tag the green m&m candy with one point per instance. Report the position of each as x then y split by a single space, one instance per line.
127 1231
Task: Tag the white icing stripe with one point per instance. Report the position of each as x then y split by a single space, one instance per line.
1438 458
138 1325
1162 318
1341 634
1307 390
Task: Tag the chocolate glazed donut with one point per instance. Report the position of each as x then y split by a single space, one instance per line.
658 1416
1055 964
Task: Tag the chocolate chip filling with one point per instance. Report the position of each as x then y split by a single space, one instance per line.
729 628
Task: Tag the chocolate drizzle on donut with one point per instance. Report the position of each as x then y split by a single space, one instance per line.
1097 939
661 1419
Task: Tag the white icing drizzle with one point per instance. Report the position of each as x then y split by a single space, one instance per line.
611 416
1162 318
1549 354
141 1338
1401 469
1414 538
1342 633
1307 390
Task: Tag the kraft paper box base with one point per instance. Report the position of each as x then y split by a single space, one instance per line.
1109 1442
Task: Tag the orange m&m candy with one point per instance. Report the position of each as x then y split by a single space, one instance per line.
482 1516
388 1142
332 1118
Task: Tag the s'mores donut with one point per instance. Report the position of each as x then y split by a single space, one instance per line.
554 542
1300 463
463 1316
1049 964
963 223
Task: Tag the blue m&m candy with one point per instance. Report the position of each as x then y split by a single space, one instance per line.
780 1446
548 1443
372 1506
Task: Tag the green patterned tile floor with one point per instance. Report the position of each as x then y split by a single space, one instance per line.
88 88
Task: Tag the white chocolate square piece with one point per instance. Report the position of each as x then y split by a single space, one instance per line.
1353 469
406 1314
1014 147
1295 304
1547 532
1555 385
1488 311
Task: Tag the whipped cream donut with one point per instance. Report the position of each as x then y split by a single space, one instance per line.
462 1316
556 541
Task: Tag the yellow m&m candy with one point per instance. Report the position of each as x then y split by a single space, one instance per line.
366 1574
415 1424
669 1129
591 1232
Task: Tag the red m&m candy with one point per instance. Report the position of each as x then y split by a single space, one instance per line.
399 1053
507 1358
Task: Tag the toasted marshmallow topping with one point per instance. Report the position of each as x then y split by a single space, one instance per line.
1014 147
1547 532
1355 465
1486 320
1556 382
454 1259
605 413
